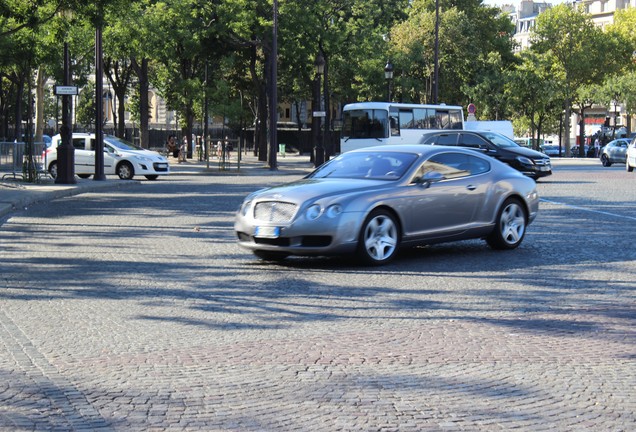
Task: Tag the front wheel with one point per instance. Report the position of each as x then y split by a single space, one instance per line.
605 161
510 227
125 170
152 177
379 238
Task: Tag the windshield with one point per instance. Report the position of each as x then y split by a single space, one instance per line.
500 140
365 123
120 143
367 165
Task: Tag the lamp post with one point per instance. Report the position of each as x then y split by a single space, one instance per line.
273 101
388 74
436 66
319 150
66 151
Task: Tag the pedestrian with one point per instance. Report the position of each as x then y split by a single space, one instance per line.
171 147
183 150
597 146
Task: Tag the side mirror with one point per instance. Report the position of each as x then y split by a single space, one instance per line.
429 178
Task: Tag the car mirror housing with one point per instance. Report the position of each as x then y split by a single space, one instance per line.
430 177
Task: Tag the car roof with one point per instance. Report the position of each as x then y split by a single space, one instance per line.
421 149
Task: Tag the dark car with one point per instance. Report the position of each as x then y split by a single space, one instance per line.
530 162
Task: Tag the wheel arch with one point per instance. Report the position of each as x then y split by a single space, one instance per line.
391 210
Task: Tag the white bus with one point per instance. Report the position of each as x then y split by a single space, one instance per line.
368 124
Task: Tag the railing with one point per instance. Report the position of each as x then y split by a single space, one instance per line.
22 161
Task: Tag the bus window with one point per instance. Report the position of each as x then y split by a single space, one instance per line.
406 119
457 119
394 123
365 124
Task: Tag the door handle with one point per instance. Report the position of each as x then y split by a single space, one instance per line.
471 187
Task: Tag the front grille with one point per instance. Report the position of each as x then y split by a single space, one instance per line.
542 162
160 166
274 211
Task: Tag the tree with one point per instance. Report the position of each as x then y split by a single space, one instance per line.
582 54
472 39
531 88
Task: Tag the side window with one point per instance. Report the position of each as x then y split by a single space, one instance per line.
79 143
91 144
432 140
450 165
478 165
449 140
472 141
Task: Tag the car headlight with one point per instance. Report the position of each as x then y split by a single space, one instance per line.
333 210
525 160
143 159
245 207
313 212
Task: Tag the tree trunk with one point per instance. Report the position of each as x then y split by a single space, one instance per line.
40 79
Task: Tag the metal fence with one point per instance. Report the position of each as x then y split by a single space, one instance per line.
22 161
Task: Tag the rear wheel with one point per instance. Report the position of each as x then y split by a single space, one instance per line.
152 177
605 161
125 170
271 255
84 176
510 227
379 238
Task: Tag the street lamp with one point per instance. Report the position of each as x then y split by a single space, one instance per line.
319 150
388 74
436 54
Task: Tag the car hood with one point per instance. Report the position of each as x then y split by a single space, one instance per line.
524 151
314 189
142 153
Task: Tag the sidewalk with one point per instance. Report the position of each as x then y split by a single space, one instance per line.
17 194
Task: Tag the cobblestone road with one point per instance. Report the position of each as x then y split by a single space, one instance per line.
135 310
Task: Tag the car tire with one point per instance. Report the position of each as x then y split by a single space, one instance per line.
84 176
605 161
628 167
152 177
125 170
53 169
271 255
510 226
379 238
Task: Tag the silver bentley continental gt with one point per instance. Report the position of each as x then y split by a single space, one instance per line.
370 202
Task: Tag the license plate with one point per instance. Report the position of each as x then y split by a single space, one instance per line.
162 165
267 232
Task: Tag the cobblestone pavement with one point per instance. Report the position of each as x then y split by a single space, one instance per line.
134 309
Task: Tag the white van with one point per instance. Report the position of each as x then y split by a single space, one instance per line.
503 127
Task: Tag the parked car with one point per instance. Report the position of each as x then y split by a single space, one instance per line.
372 201
530 162
550 150
630 156
587 151
614 152
120 157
